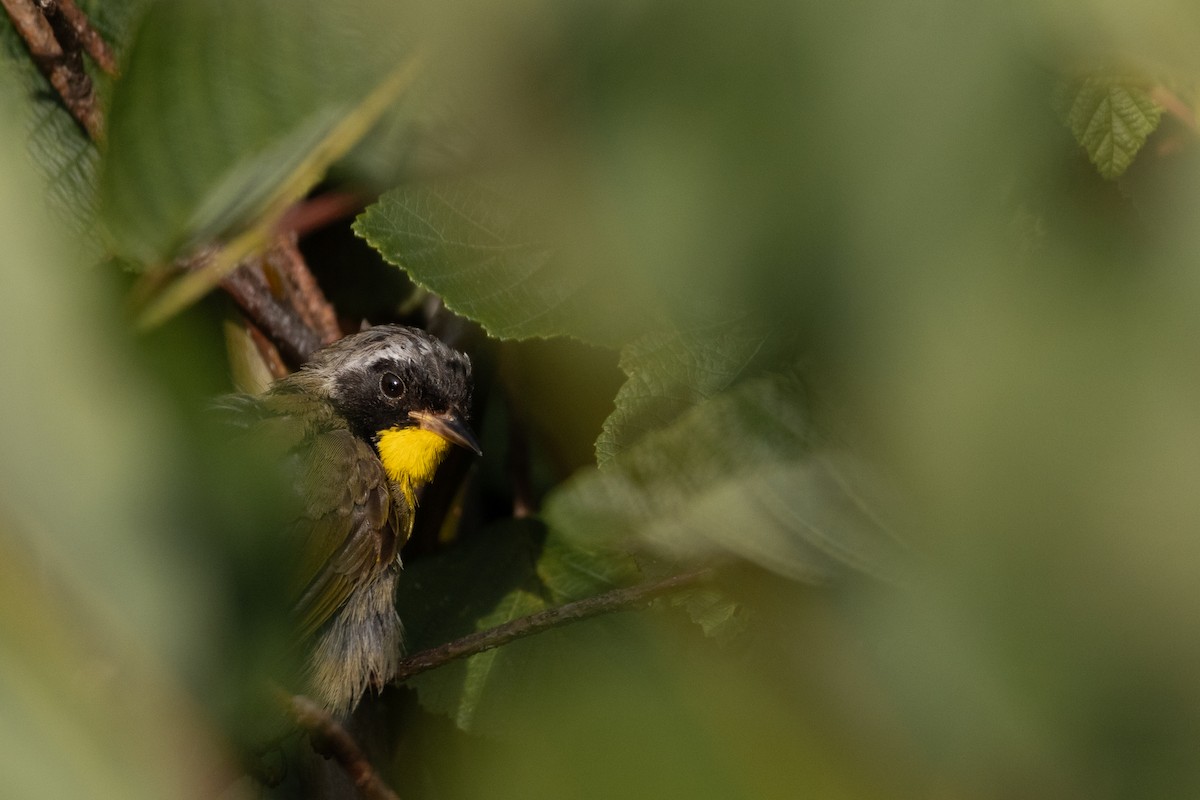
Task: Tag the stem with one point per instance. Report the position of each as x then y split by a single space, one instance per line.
300 288
616 600
331 739
58 61
249 289
66 12
321 210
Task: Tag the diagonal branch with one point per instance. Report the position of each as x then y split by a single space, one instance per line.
61 62
285 263
622 599
69 22
331 739
278 319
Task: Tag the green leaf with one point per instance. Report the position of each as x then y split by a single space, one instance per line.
470 242
669 373
736 475
509 571
570 571
481 582
92 580
443 597
1111 117
493 670
229 110
718 615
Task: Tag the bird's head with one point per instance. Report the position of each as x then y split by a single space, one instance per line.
404 392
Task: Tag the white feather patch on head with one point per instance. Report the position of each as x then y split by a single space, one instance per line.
397 343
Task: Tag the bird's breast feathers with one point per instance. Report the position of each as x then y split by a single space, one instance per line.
411 457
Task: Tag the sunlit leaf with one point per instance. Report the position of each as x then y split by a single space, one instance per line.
469 242
1111 117
717 614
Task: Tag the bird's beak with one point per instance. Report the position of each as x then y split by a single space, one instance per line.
448 426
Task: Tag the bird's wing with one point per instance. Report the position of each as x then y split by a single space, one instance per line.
351 529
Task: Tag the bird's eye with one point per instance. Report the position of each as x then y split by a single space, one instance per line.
390 385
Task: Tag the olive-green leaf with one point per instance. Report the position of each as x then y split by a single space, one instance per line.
671 371
511 570
225 104
735 475
1111 117
571 572
443 597
470 242
717 614
479 583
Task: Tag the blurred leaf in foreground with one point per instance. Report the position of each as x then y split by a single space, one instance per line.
669 372
737 474
94 604
640 705
1111 118
469 242
228 108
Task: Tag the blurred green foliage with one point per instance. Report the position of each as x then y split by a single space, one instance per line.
913 361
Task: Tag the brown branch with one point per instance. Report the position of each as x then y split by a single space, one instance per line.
275 290
1174 106
616 600
320 211
331 739
64 14
300 289
280 295
267 351
249 289
61 64
298 318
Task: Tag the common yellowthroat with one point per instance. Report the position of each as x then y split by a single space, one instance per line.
364 424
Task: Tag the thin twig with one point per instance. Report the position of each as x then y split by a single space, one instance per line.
321 210
330 738
616 600
62 66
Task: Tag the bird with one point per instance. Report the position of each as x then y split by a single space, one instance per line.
359 428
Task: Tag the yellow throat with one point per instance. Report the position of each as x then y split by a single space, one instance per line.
411 456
